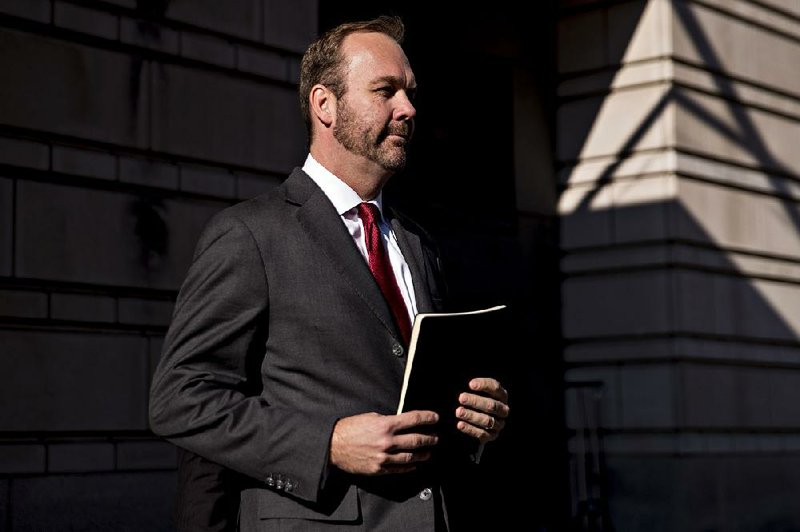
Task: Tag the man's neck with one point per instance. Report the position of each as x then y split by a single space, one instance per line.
366 177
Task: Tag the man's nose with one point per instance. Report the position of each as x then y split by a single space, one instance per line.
405 109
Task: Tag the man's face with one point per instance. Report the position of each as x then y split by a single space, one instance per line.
374 118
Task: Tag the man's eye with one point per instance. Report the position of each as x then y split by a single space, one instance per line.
385 91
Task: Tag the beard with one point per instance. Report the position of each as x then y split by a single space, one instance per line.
362 138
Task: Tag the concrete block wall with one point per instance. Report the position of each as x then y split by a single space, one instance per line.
680 205
124 126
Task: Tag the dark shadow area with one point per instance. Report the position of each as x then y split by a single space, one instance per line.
460 184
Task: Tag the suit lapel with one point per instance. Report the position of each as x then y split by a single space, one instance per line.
324 225
411 247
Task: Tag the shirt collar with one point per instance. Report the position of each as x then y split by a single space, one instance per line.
341 195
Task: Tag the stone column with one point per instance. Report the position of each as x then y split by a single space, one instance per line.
678 137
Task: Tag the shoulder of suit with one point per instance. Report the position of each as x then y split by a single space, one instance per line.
411 225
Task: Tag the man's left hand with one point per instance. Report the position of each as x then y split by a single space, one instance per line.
483 409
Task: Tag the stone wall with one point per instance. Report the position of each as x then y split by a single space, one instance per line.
677 137
124 125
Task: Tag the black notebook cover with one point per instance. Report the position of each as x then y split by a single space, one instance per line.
446 351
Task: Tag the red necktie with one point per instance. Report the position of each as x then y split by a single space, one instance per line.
382 269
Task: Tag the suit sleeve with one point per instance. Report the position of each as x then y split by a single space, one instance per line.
205 391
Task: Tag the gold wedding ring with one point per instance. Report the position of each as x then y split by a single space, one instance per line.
490 426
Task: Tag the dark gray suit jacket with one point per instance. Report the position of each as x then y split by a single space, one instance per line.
280 330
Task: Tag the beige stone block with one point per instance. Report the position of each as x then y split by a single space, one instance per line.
710 396
697 77
745 50
586 216
615 351
144 454
744 264
208 49
791 6
640 207
23 152
241 18
134 246
83 162
684 348
85 20
622 122
38 10
728 130
626 304
644 190
290 25
613 168
6 226
737 176
773 20
135 501
639 30
646 72
784 395
19 458
83 307
728 312
140 311
243 122
647 396
83 381
148 172
23 303
80 457
648 444
692 302
208 180
262 62
755 309
775 313
733 218
91 93
613 258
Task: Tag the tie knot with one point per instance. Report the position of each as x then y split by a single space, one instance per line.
369 212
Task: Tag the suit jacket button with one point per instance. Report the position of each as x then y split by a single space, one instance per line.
288 486
397 350
279 484
270 481
426 494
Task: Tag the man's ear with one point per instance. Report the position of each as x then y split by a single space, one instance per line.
322 103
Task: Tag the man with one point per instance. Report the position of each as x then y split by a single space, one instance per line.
285 356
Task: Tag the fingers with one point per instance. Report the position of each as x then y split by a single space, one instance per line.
414 418
490 387
487 405
371 443
482 414
410 442
479 425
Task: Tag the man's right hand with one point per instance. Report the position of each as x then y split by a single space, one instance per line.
373 444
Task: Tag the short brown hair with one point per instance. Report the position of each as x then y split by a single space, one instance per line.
323 60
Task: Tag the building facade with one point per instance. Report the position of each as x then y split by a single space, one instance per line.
623 173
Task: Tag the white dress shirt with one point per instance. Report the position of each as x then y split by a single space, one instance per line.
345 200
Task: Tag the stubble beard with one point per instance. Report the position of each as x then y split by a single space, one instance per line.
360 140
